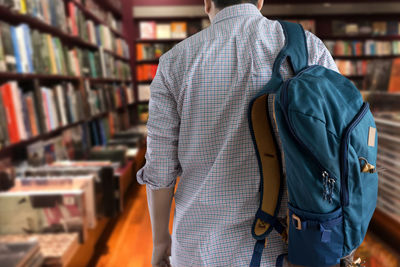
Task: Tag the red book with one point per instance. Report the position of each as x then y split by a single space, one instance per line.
72 18
394 83
12 122
32 117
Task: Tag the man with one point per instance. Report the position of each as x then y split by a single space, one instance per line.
198 130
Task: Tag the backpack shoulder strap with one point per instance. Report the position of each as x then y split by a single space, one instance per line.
295 48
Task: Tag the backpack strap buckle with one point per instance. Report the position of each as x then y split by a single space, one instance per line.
297 222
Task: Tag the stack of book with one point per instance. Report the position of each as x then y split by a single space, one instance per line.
388 125
101 197
45 207
20 253
56 249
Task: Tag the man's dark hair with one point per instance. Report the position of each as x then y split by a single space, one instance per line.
224 3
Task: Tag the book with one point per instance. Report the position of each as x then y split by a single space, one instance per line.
11 111
34 121
144 92
8 47
163 31
178 30
394 81
56 249
378 74
16 49
4 136
147 29
379 28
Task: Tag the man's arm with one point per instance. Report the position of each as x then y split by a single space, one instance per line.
162 164
159 202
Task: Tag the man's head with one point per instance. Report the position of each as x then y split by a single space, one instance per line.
213 6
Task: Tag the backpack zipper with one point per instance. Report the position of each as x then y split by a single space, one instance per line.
327 178
344 152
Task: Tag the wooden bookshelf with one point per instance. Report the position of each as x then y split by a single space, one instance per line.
148 61
115 55
93 17
361 37
15 18
8 76
158 40
365 57
108 6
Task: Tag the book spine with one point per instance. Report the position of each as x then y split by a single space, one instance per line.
28 48
32 115
3 121
46 109
39 107
16 96
22 48
16 49
10 113
51 54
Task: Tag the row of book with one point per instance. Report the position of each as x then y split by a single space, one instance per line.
375 28
146 72
151 51
25 113
26 51
172 30
361 48
383 75
51 12
103 14
99 35
352 67
28 114
73 22
102 98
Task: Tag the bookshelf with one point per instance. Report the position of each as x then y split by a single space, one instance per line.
150 42
73 40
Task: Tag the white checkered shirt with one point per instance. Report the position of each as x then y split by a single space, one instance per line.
198 130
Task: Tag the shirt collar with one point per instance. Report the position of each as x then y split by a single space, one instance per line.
236 11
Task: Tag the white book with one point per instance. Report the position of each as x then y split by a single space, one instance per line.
22 49
144 92
61 105
163 31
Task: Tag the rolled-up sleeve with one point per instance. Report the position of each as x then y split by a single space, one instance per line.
162 165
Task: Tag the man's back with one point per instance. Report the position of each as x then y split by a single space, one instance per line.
198 129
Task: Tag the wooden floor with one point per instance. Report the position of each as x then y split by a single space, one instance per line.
130 244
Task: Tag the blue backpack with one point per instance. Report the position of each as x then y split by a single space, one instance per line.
315 131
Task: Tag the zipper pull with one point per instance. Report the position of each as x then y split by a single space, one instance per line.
328 186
